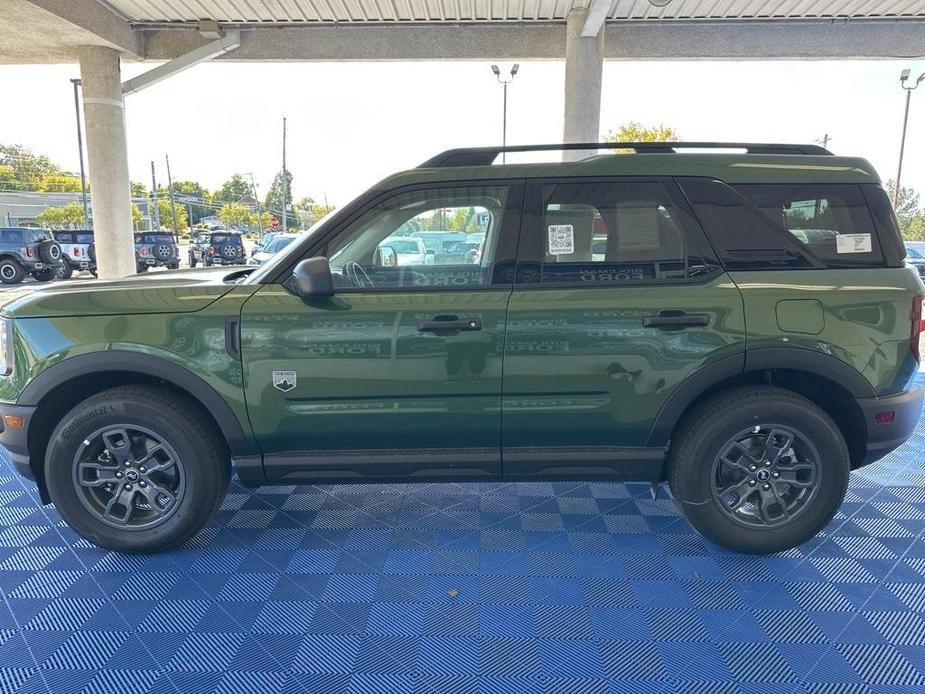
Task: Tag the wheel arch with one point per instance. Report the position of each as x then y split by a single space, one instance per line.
59 388
822 379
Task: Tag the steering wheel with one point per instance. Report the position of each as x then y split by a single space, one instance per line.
358 275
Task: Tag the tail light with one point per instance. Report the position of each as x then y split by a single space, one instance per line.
28 251
76 252
144 251
916 326
211 250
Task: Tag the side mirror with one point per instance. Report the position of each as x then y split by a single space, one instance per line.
311 279
386 256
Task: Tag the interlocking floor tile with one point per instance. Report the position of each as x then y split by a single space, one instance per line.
458 588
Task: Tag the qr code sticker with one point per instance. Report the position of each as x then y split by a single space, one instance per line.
561 239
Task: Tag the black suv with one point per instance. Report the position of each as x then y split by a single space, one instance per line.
28 251
217 248
156 249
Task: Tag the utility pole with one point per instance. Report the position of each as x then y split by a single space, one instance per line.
157 214
257 203
173 207
825 141
285 182
80 153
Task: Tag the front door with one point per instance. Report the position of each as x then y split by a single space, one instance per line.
618 299
398 376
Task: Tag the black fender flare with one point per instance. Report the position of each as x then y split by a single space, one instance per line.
790 358
239 442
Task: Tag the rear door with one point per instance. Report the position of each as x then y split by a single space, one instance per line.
618 299
398 376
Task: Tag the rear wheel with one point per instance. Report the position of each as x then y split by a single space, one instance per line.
64 272
11 272
759 469
136 469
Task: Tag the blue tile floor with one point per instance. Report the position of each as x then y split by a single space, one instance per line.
443 588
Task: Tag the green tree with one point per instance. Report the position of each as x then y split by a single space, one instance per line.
310 211
61 216
138 190
915 228
637 132
137 216
166 214
28 168
279 198
261 221
235 215
59 183
235 189
8 178
909 212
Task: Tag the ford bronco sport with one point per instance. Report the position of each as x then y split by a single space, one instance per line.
740 325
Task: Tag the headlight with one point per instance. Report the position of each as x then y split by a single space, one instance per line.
6 346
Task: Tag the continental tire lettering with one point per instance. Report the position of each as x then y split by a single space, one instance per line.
100 411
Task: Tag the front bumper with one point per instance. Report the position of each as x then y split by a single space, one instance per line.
882 438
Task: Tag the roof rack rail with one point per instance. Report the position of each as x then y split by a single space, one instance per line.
484 156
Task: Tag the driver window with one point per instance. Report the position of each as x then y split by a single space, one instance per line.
443 237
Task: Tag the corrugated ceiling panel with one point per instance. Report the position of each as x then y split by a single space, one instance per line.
298 11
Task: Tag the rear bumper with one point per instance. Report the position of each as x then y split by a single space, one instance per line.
888 436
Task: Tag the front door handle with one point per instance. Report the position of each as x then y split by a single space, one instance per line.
440 323
676 320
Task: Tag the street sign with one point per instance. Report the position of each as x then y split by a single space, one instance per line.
483 219
187 199
274 222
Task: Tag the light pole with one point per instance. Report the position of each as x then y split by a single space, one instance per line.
504 81
80 151
903 79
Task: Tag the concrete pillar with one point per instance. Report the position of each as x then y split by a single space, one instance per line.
584 63
104 116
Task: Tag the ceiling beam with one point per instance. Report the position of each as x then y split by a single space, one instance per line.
597 15
92 16
624 40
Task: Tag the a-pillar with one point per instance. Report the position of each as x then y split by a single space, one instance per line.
104 116
584 62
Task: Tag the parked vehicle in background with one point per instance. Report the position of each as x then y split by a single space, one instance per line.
271 248
439 242
25 251
658 316
407 250
156 249
915 256
263 240
75 251
217 248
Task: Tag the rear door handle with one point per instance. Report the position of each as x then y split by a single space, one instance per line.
449 323
679 320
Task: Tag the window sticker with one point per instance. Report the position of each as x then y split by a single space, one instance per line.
853 243
561 239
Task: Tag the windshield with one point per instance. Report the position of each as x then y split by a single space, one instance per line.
269 268
277 245
913 252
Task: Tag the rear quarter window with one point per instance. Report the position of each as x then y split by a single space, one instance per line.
226 238
11 236
830 221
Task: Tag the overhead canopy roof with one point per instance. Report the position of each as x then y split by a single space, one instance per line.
301 11
48 31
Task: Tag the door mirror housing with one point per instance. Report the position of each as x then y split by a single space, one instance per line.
311 279
386 256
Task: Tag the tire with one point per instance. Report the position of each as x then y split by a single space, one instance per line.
11 272
64 272
197 480
703 463
49 252
142 268
192 260
173 266
45 274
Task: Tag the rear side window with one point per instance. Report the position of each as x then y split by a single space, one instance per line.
831 221
606 232
157 238
40 235
83 238
11 236
64 237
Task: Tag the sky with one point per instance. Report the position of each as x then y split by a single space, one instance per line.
351 124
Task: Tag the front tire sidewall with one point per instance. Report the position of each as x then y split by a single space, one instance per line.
91 416
691 481
11 272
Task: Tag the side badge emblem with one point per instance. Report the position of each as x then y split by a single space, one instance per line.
284 380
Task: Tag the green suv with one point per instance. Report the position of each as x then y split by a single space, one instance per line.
740 325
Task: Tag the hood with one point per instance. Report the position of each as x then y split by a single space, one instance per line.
180 291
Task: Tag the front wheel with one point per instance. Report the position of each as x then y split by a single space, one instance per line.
11 272
759 469
136 469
